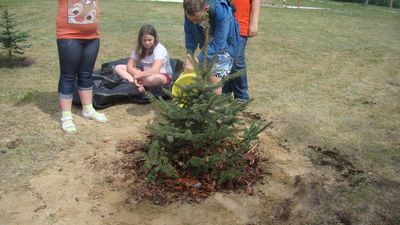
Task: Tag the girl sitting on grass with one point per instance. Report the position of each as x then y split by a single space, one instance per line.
154 59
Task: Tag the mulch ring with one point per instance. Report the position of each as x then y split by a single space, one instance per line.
128 174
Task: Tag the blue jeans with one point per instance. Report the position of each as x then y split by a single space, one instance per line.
239 84
77 58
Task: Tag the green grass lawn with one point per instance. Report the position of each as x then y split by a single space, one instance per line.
328 77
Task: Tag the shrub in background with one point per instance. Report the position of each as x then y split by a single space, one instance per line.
386 3
9 38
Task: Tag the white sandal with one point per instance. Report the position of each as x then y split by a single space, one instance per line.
67 125
93 115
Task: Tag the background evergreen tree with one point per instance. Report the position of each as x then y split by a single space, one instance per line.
10 38
202 133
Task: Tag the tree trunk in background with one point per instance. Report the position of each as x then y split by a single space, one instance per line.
366 2
391 4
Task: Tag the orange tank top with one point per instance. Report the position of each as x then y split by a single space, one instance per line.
77 19
242 14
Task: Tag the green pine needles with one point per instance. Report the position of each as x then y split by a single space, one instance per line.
202 134
11 39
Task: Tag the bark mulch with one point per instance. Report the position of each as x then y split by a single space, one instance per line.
186 188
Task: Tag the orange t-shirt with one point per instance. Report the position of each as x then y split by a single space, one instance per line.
242 14
77 19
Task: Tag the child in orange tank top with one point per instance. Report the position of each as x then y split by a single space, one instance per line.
77 29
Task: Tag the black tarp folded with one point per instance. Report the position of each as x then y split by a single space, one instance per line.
109 89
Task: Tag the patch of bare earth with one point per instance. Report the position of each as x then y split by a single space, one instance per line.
87 184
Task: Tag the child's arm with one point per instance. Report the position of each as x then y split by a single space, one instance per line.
131 67
188 65
254 15
154 69
191 42
221 30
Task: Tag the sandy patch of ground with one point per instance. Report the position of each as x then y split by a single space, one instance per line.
76 188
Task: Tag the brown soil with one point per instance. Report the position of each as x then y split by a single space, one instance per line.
81 185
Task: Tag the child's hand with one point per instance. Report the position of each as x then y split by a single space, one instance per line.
253 30
138 74
188 66
138 82
135 71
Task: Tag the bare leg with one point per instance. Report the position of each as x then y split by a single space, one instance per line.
154 80
86 96
123 73
65 104
216 80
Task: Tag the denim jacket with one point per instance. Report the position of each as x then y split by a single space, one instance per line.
224 32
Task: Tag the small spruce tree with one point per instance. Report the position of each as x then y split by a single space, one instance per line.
10 38
202 134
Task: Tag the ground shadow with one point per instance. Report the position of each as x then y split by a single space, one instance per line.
15 62
46 101
140 109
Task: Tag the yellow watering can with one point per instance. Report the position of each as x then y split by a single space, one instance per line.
183 80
